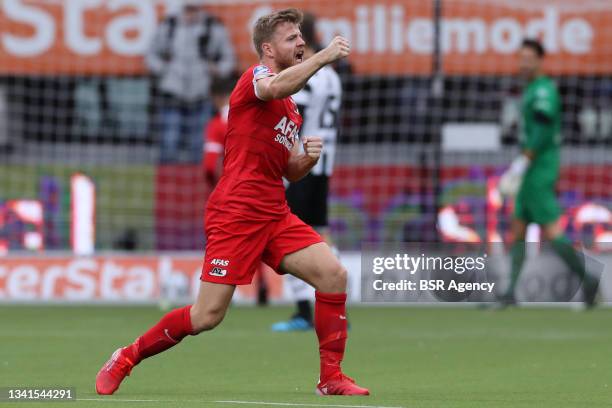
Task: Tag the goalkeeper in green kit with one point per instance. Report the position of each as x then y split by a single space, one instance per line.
532 176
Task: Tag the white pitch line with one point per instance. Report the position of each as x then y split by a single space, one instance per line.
283 404
119 400
296 404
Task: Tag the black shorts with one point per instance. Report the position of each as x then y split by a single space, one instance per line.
307 199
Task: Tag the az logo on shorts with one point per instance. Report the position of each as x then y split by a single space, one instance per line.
218 272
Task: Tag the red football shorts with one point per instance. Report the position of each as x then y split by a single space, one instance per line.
235 247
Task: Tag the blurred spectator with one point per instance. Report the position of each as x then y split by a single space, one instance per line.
4 133
188 51
127 241
214 144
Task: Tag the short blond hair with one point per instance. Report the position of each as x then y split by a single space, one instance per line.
266 25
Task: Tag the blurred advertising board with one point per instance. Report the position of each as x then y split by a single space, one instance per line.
109 37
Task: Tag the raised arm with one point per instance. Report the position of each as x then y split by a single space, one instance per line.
291 80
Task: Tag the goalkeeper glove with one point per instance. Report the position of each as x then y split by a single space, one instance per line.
510 181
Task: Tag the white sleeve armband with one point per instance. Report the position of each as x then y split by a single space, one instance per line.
260 72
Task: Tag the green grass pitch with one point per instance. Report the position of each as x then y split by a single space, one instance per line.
409 357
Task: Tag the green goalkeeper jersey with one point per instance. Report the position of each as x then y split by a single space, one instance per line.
541 132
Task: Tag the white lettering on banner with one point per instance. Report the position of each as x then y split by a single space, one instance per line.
506 36
21 284
174 283
128 26
390 32
397 17
49 281
84 284
577 35
143 23
140 283
380 20
74 29
110 272
420 36
463 34
118 33
362 43
41 22
545 28
108 279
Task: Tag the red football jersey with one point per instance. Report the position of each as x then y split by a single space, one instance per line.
214 146
260 136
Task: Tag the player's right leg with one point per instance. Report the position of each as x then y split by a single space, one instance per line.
308 199
205 314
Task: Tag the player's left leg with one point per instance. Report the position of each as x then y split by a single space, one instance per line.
296 248
308 199
303 293
563 247
318 266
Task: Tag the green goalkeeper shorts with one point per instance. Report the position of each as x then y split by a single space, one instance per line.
537 205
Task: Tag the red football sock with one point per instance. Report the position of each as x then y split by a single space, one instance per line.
169 331
330 325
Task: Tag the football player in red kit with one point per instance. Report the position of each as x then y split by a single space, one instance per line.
214 143
247 217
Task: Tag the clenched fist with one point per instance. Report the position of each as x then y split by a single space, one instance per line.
338 48
313 146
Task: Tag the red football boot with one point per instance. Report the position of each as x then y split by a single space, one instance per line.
113 372
340 385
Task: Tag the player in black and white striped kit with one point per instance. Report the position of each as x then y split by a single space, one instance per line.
319 104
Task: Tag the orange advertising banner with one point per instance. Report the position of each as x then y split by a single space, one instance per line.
387 36
113 278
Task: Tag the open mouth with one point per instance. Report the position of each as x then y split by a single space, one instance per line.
299 56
